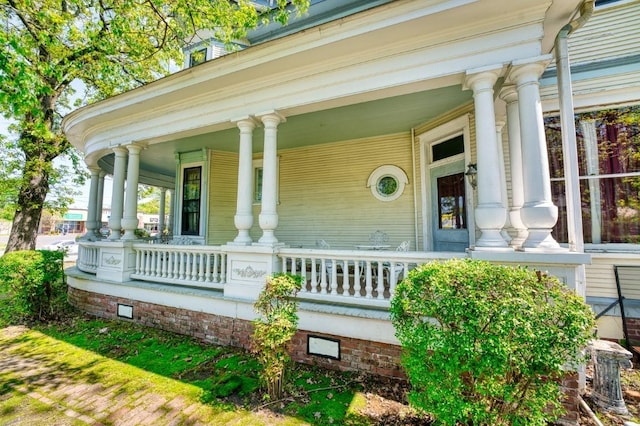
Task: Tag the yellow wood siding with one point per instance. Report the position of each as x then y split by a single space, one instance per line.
601 280
223 185
323 193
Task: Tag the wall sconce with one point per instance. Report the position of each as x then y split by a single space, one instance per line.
472 175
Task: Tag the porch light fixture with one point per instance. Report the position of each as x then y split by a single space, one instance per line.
472 175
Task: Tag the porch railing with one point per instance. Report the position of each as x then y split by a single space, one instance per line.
88 257
353 277
343 277
200 266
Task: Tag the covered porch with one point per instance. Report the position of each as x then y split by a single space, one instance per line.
325 135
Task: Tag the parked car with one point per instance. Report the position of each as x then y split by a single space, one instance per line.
70 247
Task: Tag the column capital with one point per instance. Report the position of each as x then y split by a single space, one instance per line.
94 170
134 148
500 123
246 123
482 78
528 70
271 118
120 151
509 94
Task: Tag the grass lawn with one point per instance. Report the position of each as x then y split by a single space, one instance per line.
222 381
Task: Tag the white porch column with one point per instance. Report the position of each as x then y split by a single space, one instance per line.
243 219
268 215
538 212
490 213
92 214
500 123
510 96
130 219
163 197
117 193
100 203
172 198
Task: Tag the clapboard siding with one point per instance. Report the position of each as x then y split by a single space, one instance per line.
601 280
323 193
612 32
223 185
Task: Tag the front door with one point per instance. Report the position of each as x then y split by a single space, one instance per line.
449 211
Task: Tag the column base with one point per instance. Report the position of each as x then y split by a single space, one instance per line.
541 239
268 239
491 219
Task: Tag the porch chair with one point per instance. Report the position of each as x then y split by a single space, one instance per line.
379 237
322 244
398 268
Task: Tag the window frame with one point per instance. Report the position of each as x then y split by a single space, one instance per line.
588 178
180 199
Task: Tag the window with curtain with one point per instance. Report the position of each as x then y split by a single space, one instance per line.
609 168
191 194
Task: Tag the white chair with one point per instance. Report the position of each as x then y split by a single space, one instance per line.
378 237
322 244
398 268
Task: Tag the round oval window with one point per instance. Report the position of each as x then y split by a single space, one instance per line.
387 186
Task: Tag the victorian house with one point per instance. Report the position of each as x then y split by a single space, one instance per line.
361 140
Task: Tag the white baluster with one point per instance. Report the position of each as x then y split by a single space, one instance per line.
323 277
314 276
357 279
380 283
369 285
181 275
201 267
223 268
334 277
207 269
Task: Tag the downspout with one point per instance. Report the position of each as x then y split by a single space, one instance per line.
567 123
570 153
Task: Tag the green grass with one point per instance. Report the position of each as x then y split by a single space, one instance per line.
225 380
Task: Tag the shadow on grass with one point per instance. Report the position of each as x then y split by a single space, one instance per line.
227 377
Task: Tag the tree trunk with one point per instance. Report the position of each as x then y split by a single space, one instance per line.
35 185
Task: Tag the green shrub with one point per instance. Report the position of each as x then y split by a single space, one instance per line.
485 344
32 285
274 330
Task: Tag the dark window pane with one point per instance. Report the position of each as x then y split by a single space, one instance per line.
451 202
449 148
191 186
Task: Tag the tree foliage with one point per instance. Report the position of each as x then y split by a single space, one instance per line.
104 46
485 344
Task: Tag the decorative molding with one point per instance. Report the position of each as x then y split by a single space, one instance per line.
249 272
112 260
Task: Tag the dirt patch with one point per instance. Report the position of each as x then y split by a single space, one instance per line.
14 331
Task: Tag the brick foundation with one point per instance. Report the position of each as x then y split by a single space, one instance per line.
355 354
633 328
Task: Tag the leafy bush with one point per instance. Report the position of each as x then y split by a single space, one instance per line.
274 330
32 285
485 344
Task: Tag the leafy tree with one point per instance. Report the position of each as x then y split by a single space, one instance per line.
108 46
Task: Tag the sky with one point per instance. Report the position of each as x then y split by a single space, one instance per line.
82 200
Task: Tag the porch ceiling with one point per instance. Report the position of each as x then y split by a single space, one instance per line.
373 118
